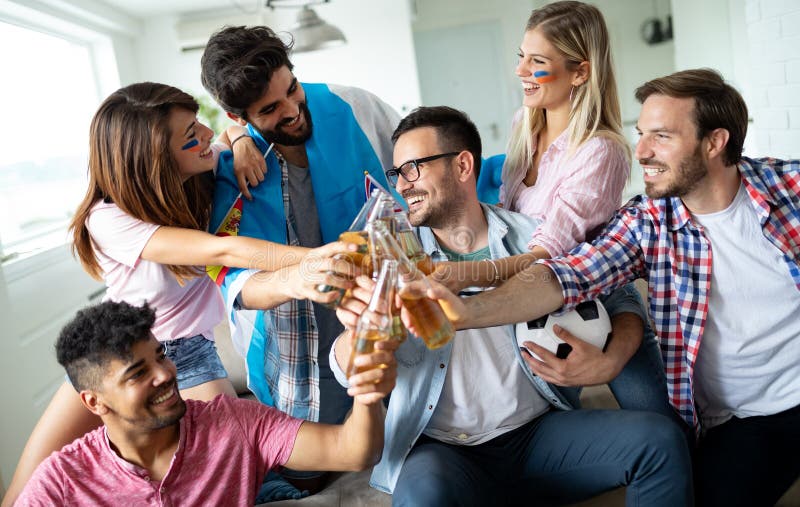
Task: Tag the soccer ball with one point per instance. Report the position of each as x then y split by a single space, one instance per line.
588 321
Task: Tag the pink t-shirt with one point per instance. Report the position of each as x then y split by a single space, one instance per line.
226 447
181 311
573 195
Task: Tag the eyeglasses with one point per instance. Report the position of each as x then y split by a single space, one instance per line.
410 170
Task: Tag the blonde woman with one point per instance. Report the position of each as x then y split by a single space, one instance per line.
566 166
567 161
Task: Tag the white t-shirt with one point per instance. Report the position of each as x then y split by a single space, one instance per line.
485 392
181 311
749 358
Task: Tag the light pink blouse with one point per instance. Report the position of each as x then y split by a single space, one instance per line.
573 195
182 311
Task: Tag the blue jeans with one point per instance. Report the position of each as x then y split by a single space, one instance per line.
642 384
560 457
196 359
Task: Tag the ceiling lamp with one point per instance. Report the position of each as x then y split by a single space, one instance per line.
310 32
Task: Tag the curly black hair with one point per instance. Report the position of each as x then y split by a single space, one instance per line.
99 334
238 63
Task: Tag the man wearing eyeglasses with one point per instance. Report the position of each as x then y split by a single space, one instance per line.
469 424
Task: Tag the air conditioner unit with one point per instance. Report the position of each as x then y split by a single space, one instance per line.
193 33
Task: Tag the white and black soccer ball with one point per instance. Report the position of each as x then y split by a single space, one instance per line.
588 321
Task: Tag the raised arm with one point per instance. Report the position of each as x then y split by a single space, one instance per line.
356 444
249 165
179 246
321 266
457 276
613 259
530 294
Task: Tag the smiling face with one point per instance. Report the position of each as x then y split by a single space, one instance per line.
140 392
190 143
281 115
546 80
434 199
668 149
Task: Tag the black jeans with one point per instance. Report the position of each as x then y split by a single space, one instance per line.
748 462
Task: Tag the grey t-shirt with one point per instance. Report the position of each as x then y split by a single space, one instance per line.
334 401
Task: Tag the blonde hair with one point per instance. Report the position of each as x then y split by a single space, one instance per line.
578 31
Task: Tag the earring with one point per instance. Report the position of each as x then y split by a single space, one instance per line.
571 90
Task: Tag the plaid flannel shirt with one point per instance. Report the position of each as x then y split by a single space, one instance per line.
656 239
294 325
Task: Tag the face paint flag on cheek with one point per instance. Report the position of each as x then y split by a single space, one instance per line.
542 76
193 145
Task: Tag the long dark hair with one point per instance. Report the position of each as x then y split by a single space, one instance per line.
131 165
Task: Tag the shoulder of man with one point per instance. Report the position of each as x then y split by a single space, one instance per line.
640 206
520 222
345 91
75 461
226 407
368 100
767 170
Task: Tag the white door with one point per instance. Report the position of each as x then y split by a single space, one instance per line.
464 67
37 297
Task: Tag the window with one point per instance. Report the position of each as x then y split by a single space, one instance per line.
47 97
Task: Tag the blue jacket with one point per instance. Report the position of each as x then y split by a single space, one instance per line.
351 136
421 372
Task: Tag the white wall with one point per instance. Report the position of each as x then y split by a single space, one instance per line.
40 293
754 43
378 56
512 16
635 62
773 29
713 34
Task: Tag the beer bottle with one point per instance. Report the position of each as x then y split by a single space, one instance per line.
357 235
427 315
375 324
383 212
410 243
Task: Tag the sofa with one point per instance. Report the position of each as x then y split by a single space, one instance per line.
352 489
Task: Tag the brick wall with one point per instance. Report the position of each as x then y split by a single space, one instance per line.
773 31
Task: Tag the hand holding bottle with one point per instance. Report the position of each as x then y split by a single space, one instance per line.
379 372
375 323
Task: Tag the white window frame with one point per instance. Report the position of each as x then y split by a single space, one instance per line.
86 28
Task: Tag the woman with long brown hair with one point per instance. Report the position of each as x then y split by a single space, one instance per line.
141 228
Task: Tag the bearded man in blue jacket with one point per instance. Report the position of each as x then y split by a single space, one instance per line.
319 142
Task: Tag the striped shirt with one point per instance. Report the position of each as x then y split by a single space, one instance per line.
575 193
658 240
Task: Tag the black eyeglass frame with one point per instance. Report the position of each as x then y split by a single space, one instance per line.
393 174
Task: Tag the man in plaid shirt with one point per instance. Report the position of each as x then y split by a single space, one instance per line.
718 239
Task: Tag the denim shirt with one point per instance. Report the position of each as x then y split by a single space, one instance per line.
421 372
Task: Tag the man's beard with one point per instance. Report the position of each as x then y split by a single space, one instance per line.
283 139
158 422
448 208
689 173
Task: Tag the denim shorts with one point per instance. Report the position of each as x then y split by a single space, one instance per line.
196 359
